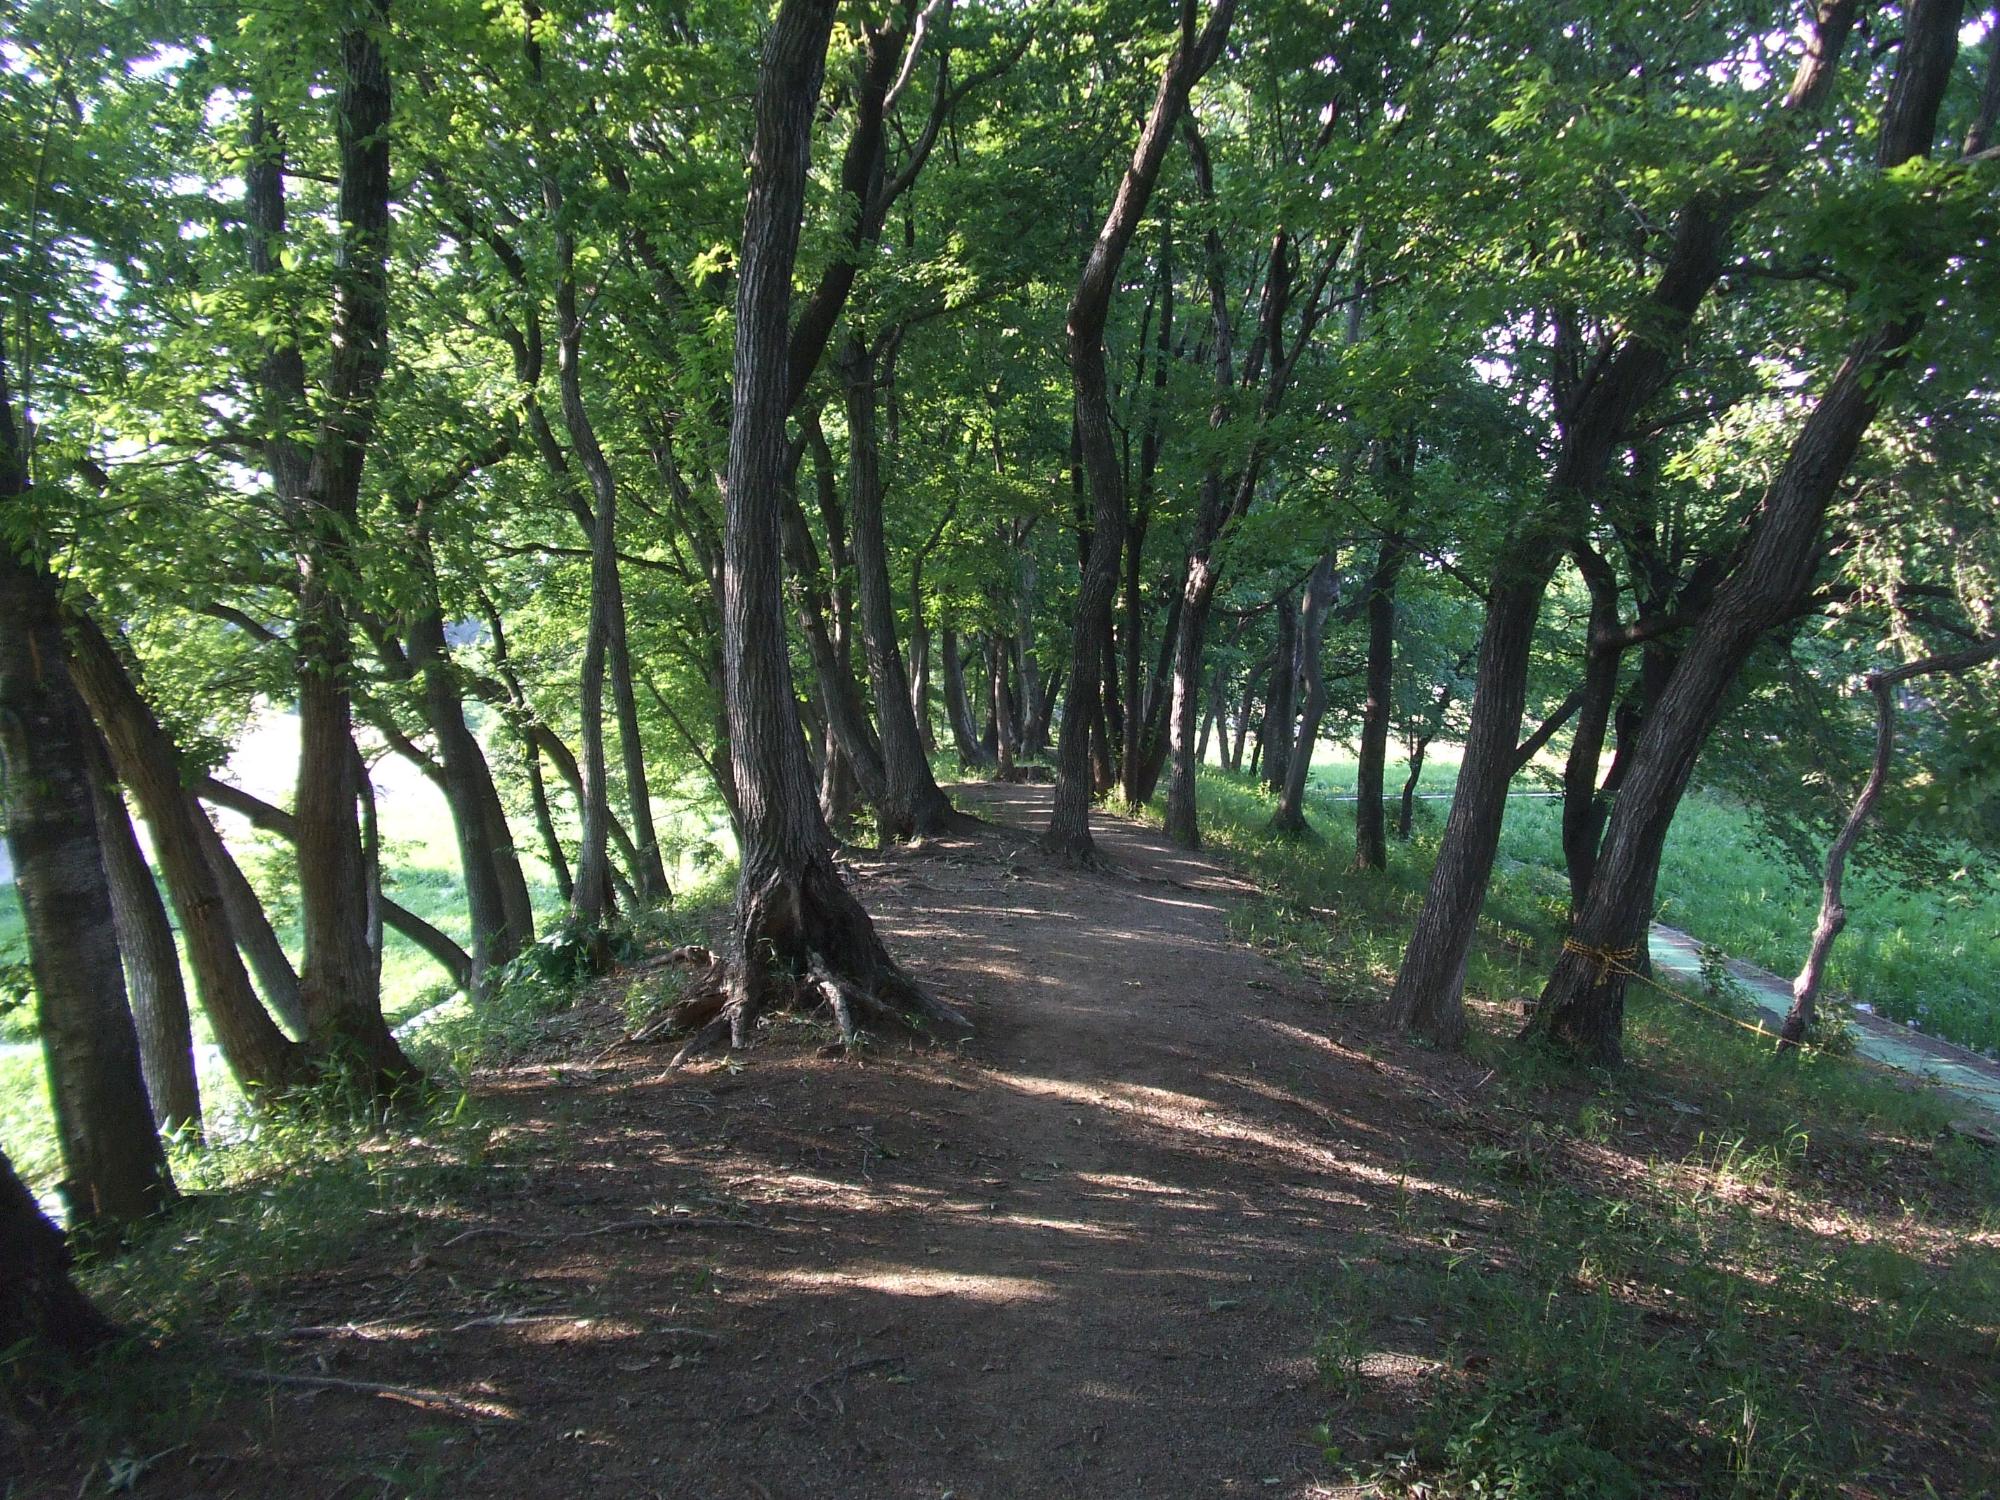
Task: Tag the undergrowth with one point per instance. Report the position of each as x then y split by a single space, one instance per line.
1714 1271
281 1195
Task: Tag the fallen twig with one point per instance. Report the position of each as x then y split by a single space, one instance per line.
482 1410
621 1226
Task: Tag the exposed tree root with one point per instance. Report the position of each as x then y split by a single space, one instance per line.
803 944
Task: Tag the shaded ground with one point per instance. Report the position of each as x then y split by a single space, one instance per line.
1090 1253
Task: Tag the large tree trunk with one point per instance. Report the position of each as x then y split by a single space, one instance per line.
1068 832
147 761
799 935
343 1002
40 1307
1582 1008
1371 844
152 961
114 1169
1427 997
1290 816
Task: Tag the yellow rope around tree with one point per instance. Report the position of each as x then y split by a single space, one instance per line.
1609 961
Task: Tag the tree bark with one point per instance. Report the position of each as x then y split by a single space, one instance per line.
249 924
913 804
1371 844
496 891
152 960
343 1003
798 932
1280 702
1068 834
40 1306
1427 997
454 960
259 1055
115 1171
958 707
1582 1008
1290 816
1832 910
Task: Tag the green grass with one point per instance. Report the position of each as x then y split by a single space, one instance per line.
1748 1312
1917 954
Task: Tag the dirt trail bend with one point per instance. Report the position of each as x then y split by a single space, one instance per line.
1077 1256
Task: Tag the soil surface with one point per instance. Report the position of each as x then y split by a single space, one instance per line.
1076 1255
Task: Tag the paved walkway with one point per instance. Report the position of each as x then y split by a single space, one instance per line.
1965 1073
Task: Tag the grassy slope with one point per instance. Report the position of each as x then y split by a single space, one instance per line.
1713 1272
1923 956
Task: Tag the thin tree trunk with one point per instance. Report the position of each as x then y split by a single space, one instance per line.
1832 910
152 960
996 693
496 892
958 707
249 924
1371 845
146 759
1290 816
1068 832
913 805
1280 704
450 957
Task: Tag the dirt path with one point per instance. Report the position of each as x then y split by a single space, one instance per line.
1078 1257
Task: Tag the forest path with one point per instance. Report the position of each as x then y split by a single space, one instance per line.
1077 1256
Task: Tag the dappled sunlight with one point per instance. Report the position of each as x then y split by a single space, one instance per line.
921 1281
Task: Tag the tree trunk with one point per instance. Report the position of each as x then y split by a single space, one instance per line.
40 1306
1371 845
1582 1008
1004 737
913 805
1583 809
496 892
1427 997
798 933
115 1172
146 759
1832 912
450 957
958 707
1290 816
343 1003
152 961
1068 834
249 924
1280 702
826 641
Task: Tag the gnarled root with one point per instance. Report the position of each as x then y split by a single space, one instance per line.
803 942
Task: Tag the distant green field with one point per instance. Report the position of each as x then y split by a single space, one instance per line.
1920 955
420 871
